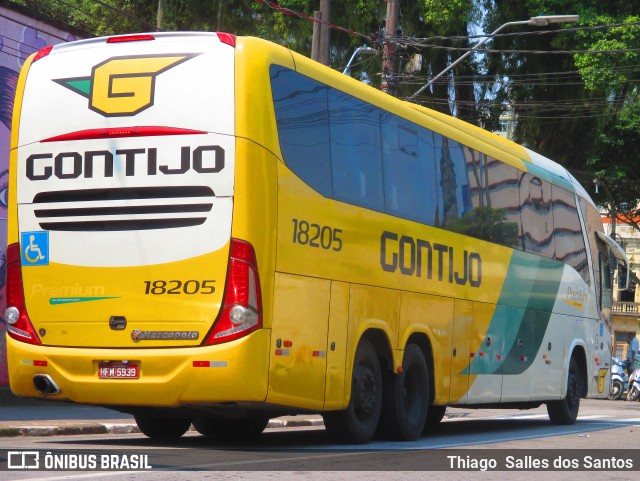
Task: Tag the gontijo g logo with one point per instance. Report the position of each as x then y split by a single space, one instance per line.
122 86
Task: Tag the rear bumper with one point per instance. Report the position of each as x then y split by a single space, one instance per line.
236 371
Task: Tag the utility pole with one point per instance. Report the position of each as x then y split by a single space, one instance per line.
315 40
389 82
160 15
325 8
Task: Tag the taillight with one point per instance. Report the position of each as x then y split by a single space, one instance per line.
241 312
227 38
142 37
43 52
18 324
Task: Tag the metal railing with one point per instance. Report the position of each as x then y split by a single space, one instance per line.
626 308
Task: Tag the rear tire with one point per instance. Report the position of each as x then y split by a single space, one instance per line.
406 398
616 390
358 423
435 414
634 393
162 428
236 429
565 411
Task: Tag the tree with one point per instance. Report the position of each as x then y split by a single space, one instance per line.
577 106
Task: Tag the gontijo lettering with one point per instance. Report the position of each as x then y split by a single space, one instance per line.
204 159
411 255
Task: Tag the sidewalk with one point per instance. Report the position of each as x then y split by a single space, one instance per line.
32 417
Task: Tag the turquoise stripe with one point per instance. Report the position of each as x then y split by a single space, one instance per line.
523 312
550 177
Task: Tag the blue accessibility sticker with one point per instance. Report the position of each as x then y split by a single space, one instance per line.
35 248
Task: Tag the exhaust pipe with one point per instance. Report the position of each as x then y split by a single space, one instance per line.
45 385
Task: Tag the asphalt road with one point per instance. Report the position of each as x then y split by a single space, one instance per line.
601 444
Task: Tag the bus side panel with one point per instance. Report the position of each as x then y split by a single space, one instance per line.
254 212
487 335
547 374
335 394
516 385
373 308
433 316
299 341
461 348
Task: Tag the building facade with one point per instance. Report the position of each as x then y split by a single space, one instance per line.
22 35
625 312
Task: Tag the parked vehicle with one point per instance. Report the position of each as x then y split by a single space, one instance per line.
619 378
634 384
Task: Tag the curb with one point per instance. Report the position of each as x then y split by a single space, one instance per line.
111 428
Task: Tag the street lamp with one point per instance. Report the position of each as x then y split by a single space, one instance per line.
364 49
539 21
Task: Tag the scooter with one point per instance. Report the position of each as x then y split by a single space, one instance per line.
619 378
633 394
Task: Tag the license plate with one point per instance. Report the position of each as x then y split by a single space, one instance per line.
118 370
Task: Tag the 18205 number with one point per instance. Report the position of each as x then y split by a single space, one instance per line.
190 286
315 235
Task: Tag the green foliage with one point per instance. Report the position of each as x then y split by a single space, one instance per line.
589 124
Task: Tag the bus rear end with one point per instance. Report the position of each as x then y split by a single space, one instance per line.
125 284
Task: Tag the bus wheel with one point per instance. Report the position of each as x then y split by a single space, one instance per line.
435 414
358 423
231 428
406 397
565 411
162 428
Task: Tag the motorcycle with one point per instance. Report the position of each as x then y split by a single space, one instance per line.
633 394
619 377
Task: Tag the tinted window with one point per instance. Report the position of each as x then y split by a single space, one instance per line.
454 184
502 196
567 232
303 126
489 213
356 151
409 171
537 217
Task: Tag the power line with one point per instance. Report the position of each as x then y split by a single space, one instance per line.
525 33
292 13
520 51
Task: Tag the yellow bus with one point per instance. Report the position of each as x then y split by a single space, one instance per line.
214 230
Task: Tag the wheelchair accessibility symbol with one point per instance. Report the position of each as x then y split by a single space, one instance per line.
35 248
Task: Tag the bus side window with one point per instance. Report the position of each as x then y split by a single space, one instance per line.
356 158
606 282
503 200
567 232
303 126
537 216
408 181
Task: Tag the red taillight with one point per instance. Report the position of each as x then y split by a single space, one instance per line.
43 52
18 324
227 38
241 312
131 38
